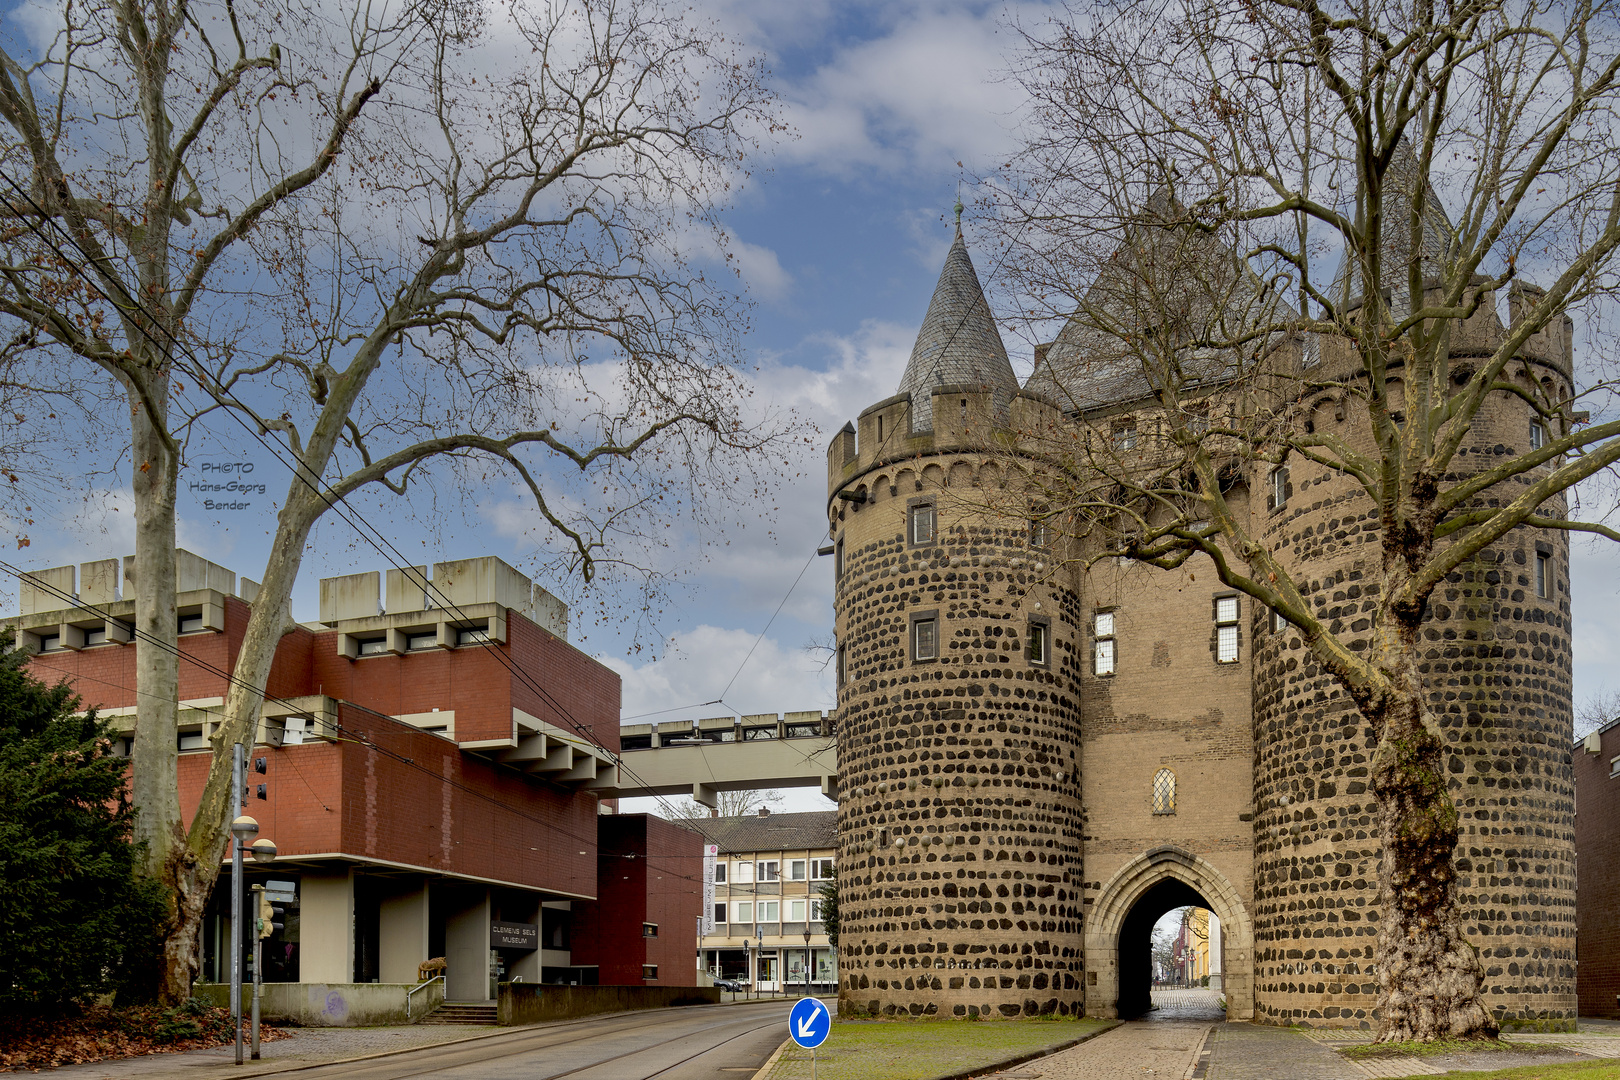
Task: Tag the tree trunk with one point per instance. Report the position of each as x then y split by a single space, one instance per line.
1428 976
155 756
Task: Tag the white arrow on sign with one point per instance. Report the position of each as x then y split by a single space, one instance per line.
807 1025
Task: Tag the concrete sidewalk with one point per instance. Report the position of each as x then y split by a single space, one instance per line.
1186 1038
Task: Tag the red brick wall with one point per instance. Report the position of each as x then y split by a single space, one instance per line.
650 872
1597 878
674 900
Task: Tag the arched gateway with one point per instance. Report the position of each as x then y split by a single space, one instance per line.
1118 933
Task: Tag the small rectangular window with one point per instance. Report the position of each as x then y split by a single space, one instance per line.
796 869
418 642
649 929
795 911
1040 533
374 647
767 870
767 911
922 523
1125 436
50 643
821 869
1543 575
1279 488
96 637
925 639
838 560
1226 630
472 635
1278 623
745 873
649 971
720 873
815 911
1538 435
1103 654
720 913
190 624
1039 643
745 911
843 664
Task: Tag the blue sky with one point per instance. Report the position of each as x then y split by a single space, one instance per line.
840 238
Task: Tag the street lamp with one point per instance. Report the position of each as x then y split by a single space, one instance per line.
806 959
243 831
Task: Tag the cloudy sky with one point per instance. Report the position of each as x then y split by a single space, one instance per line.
839 239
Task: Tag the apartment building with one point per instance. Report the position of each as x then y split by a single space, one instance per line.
764 927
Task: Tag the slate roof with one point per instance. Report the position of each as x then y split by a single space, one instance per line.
778 832
1163 284
1434 238
959 343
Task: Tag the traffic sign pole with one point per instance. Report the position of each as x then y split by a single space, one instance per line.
809 1024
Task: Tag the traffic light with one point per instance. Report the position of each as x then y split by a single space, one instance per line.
272 916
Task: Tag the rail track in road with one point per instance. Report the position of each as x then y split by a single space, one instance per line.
652 1033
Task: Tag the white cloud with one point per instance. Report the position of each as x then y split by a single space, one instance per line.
926 94
698 664
759 268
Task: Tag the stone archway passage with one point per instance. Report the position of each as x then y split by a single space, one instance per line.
1121 922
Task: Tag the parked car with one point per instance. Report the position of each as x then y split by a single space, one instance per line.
734 985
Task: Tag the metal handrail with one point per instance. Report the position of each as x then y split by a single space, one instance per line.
414 989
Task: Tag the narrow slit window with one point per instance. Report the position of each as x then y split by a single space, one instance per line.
1543 575
1538 435
880 427
1226 630
1164 792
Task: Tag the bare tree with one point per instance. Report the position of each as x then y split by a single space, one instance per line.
1595 710
727 804
1276 233
391 243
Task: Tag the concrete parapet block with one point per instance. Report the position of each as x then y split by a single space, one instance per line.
484 580
43 590
247 589
406 590
98 582
550 613
352 596
195 572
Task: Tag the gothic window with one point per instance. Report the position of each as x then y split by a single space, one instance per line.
1226 629
921 522
1164 792
1102 648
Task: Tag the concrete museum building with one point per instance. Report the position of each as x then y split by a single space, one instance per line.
1040 756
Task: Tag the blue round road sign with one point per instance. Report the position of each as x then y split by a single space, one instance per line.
809 1023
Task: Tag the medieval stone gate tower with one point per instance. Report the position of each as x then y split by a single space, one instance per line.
1039 758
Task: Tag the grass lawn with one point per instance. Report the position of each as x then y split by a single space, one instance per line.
916 1050
1578 1070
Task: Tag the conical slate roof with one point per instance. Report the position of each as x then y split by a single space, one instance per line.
958 344
1401 185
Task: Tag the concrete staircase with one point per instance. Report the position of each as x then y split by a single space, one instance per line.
475 1014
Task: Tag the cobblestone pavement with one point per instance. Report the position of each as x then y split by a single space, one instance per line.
1203 1006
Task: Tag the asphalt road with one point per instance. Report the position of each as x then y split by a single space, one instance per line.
716 1042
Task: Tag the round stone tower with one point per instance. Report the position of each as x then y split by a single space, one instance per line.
1497 663
958 725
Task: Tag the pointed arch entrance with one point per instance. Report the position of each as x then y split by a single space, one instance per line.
1120 928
